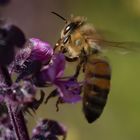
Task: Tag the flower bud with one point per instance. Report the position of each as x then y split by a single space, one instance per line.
10 38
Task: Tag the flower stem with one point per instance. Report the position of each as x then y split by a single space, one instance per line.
16 117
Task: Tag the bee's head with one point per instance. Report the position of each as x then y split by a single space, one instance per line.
71 41
72 45
73 24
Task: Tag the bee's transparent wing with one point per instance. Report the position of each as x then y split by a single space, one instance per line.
101 38
121 47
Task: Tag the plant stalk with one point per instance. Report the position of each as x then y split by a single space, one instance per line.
16 117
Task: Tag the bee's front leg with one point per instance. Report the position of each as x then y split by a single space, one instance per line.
83 60
78 68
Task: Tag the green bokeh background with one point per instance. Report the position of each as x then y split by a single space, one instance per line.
120 20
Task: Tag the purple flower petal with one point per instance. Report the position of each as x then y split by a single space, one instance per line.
20 93
6 130
54 70
41 50
69 91
20 58
35 51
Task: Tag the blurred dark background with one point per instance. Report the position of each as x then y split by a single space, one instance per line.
120 21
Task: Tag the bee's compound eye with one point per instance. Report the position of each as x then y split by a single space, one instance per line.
78 42
67 29
70 27
66 39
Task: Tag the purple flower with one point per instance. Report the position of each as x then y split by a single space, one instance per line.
49 129
11 39
27 64
68 88
30 60
20 59
54 70
6 129
18 94
41 51
35 66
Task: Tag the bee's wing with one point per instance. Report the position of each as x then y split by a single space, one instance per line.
101 37
103 44
123 47
98 38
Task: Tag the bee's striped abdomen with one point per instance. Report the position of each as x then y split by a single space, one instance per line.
96 87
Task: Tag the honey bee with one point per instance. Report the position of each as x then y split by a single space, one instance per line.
80 42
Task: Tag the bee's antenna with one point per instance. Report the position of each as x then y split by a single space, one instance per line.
59 16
